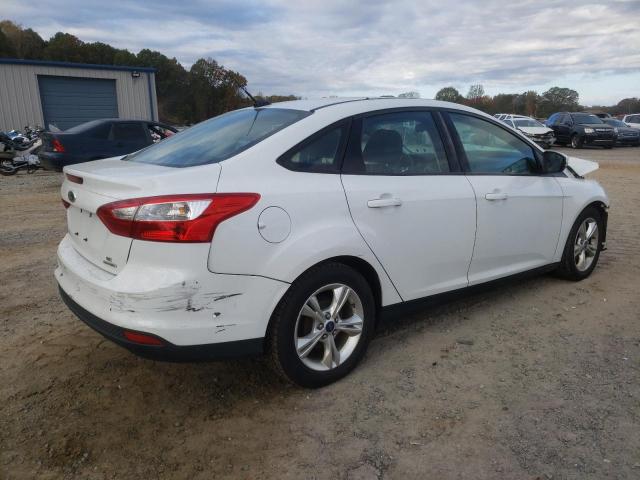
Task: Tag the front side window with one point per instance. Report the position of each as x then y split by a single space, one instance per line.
320 154
218 138
491 149
402 143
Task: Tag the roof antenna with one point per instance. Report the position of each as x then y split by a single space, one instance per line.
256 103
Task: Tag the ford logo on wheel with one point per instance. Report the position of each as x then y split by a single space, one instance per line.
71 196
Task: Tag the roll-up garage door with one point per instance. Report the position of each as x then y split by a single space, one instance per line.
70 101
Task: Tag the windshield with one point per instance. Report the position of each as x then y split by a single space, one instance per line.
633 119
527 122
615 123
218 138
586 118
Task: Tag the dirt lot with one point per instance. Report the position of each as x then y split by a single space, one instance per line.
537 380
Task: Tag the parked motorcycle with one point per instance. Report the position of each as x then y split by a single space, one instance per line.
18 154
30 163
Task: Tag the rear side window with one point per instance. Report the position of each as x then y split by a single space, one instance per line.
101 131
402 143
219 138
319 154
127 132
491 149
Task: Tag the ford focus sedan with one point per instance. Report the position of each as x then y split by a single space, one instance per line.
287 229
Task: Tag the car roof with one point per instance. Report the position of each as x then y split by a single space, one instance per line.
356 105
310 105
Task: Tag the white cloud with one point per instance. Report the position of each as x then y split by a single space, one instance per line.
370 47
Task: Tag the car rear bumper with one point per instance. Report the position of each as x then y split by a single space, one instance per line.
54 161
167 351
195 313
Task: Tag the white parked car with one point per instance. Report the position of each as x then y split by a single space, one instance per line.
287 229
532 128
632 120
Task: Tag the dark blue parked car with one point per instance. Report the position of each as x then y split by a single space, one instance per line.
98 139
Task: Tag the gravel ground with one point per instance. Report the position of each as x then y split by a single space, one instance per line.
536 380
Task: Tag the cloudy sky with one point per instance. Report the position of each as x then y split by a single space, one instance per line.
352 47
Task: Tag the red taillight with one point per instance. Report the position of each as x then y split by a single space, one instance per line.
65 203
74 178
174 218
142 338
57 146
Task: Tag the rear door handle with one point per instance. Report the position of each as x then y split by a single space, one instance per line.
496 196
384 201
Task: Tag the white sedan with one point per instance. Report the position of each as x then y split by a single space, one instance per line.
632 120
287 229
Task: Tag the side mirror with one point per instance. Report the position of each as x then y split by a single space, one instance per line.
553 162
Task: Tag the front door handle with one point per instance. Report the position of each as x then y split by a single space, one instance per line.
496 196
384 201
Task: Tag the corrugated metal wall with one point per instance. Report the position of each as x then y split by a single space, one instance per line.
20 98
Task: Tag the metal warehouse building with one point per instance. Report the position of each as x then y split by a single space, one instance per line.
34 92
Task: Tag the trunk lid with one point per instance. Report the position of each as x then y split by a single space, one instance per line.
105 181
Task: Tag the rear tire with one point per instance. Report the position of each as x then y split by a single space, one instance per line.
310 343
7 170
583 246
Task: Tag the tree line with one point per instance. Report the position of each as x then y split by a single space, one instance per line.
184 96
530 103
208 88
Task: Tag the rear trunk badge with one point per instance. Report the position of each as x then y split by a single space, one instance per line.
71 196
109 261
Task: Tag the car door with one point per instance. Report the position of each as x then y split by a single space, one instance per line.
128 137
519 211
409 201
564 127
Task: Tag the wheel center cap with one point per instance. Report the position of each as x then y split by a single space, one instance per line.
330 326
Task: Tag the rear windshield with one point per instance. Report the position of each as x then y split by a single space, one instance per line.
83 127
218 138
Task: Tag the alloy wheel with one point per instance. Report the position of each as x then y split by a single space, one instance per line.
329 327
574 141
585 246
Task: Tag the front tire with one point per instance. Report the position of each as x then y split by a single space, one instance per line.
576 141
322 326
583 247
